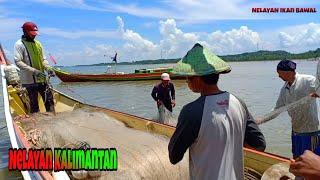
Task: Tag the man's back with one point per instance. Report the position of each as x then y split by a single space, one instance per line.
217 152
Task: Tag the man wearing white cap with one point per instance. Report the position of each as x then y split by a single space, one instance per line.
164 93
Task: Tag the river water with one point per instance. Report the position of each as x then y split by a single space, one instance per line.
257 83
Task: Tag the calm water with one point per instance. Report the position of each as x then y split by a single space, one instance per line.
256 83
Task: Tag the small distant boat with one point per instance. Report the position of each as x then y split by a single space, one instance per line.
138 75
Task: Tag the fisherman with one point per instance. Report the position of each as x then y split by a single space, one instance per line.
164 93
214 127
29 56
305 124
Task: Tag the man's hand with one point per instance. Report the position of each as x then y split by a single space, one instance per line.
159 103
51 72
259 120
173 103
307 166
315 95
39 74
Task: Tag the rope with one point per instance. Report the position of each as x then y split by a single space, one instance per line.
74 93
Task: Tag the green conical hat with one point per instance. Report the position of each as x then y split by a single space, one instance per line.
199 61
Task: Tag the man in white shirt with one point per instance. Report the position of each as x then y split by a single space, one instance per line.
304 118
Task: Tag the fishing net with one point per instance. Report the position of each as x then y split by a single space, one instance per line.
12 75
294 108
165 116
278 171
141 155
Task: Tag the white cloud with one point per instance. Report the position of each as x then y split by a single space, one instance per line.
298 38
85 55
10 28
135 44
120 24
135 47
175 42
135 10
149 24
188 11
99 50
234 41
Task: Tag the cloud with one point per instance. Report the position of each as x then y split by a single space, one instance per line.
300 37
234 41
134 47
10 28
149 24
135 44
135 10
174 41
187 11
113 34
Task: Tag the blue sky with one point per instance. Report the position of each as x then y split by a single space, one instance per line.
82 32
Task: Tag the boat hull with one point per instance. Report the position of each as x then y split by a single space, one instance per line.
69 77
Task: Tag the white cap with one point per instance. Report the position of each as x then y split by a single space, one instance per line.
165 76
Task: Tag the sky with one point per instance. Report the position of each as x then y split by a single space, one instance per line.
91 31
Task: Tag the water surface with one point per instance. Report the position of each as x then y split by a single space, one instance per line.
256 83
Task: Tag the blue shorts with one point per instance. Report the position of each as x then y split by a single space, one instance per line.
305 141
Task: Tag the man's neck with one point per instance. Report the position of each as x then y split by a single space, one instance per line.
27 38
292 81
210 89
164 85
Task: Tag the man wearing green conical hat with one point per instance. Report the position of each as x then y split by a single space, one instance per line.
216 125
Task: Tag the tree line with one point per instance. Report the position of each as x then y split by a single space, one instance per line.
248 56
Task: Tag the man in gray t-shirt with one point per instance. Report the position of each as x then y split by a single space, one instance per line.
216 125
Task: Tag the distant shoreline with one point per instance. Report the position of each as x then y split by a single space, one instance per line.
244 57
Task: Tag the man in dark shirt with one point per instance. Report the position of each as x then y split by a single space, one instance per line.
162 91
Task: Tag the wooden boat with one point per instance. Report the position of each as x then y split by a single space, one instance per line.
139 75
254 160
